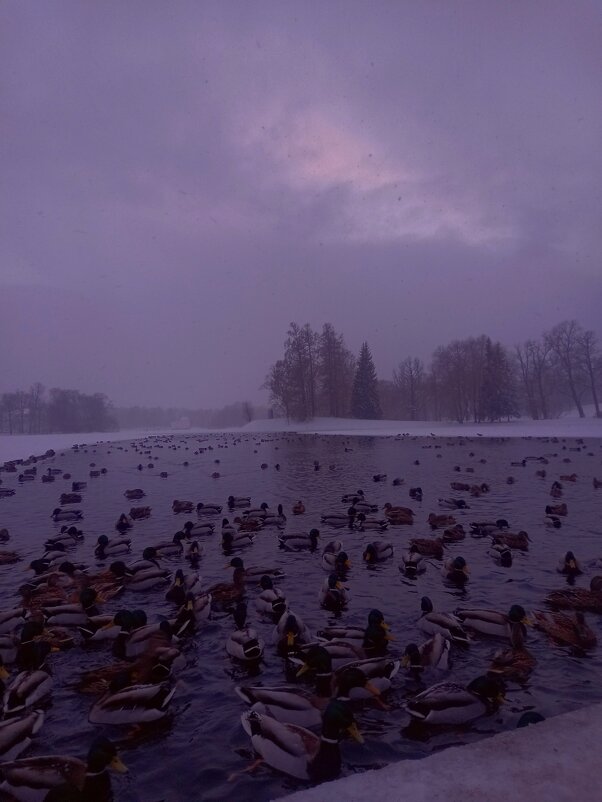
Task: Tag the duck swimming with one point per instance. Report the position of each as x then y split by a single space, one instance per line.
510 626
433 653
298 752
300 541
244 643
448 625
377 551
450 703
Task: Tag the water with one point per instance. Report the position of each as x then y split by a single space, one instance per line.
193 755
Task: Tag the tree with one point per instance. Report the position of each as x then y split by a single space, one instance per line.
364 395
498 397
336 367
279 385
591 360
409 381
563 341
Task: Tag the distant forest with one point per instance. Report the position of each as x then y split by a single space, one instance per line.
475 379
41 411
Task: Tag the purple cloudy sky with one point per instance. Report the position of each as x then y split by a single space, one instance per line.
181 180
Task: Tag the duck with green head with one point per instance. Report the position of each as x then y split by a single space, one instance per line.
450 703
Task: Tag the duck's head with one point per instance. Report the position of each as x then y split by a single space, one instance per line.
119 569
102 542
426 605
266 583
338 721
178 538
314 534
333 582
124 619
39 566
342 561
370 553
139 619
149 553
517 615
235 563
377 619
411 656
349 678
87 597
103 755
317 659
56 511
570 561
489 688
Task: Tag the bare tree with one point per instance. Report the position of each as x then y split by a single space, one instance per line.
564 342
591 359
409 381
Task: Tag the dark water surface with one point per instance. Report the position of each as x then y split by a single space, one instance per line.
192 756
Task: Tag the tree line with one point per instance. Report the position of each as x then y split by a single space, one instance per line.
41 411
473 379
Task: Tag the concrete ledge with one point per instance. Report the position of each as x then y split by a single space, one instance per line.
557 760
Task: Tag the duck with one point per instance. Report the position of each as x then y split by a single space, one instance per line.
290 632
239 501
196 608
146 579
147 637
453 534
557 509
317 661
440 521
140 513
123 523
512 664
73 615
111 548
300 541
29 686
412 563
416 493
249 524
518 541
453 504
501 554
131 704
578 598
569 565
427 547
59 514
488 528
364 523
433 653
135 494
182 506
511 625
567 630
296 751
12 619
391 510
445 623
376 635
235 540
333 595
333 557
208 509
33 779
257 512
193 552
192 530
377 551
156 667
244 643
450 703
348 498
455 571
298 508
338 520
16 734
271 601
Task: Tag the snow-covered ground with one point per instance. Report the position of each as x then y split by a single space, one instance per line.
18 446
556 761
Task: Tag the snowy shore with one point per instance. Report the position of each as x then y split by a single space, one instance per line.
556 761
18 446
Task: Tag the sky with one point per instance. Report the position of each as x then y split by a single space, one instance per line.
181 180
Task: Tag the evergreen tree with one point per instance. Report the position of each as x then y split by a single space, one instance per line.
498 398
364 396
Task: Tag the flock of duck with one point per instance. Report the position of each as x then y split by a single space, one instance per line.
332 674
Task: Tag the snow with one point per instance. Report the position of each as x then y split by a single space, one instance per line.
556 760
19 446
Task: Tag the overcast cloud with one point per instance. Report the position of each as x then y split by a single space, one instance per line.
181 180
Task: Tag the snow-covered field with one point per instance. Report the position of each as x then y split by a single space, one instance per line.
18 446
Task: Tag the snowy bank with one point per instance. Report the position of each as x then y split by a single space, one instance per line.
561 427
556 760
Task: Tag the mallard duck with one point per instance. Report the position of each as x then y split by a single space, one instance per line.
392 511
155 668
290 632
257 512
519 541
298 752
513 664
453 534
338 520
31 779
334 558
450 703
298 508
348 498
11 620
455 571
501 554
440 521
59 514
123 523
236 540
271 600
131 704
376 635
377 551
253 573
26 690
111 548
510 625
445 623
192 530
300 541
208 509
557 509
133 495
412 563
416 493
460 486
249 524
332 595
453 504
363 523
147 637
166 548
140 513
239 501
244 643
569 565
73 615
196 608
433 653
146 579
16 734
182 506
568 630
427 547
578 598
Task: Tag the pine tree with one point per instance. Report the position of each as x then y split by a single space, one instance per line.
364 396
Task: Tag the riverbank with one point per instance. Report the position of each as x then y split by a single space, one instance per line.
556 760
